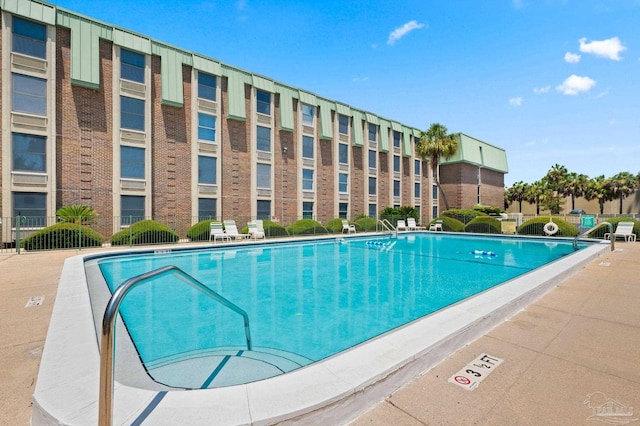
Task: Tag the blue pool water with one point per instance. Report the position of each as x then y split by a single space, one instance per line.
312 299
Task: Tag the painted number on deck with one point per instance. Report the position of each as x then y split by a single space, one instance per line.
470 376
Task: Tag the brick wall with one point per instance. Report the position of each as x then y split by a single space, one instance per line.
325 181
357 183
84 147
459 183
385 182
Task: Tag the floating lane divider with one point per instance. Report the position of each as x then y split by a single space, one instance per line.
382 245
484 253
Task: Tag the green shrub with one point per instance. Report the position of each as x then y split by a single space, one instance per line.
76 214
535 226
274 229
306 227
201 231
144 232
392 214
490 210
449 224
601 230
366 224
62 235
463 215
334 226
484 225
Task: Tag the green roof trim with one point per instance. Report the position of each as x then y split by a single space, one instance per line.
358 134
395 126
235 90
406 141
326 125
384 135
372 118
262 83
307 98
206 65
85 47
343 109
286 106
479 153
132 41
171 60
32 9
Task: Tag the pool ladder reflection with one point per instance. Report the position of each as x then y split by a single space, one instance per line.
105 407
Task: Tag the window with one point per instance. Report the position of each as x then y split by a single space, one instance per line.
207 208
29 153
416 167
343 209
343 183
416 191
206 127
32 205
263 142
29 94
206 86
307 210
343 124
396 139
373 210
373 132
434 212
263 210
434 192
131 162
396 163
131 113
307 180
372 186
372 159
263 176
29 38
131 209
396 188
207 170
307 114
263 102
307 147
131 66
343 153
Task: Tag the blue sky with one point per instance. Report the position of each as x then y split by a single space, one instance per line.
550 81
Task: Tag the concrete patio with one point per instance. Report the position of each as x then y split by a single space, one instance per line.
577 344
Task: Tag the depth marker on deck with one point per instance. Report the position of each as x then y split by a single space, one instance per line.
470 376
34 301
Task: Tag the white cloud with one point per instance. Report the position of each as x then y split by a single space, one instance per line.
572 58
609 48
541 90
515 102
402 31
574 84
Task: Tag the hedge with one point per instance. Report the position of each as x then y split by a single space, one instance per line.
601 230
201 231
484 225
366 224
449 224
335 225
62 235
306 227
144 232
536 225
463 215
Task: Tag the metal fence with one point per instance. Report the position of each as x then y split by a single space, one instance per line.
24 233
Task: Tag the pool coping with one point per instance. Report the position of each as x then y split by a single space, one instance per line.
335 390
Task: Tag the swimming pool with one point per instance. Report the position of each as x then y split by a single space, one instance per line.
333 390
306 301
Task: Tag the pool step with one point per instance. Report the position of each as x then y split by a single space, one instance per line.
226 367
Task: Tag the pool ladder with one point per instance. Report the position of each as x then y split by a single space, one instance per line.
389 227
107 339
609 225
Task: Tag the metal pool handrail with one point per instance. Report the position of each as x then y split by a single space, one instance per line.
105 411
389 227
612 238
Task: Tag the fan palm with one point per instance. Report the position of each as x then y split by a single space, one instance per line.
434 145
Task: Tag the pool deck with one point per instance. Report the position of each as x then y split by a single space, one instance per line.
567 354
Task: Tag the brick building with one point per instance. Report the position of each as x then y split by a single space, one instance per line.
97 115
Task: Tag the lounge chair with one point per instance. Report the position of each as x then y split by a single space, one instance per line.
348 227
436 226
217 233
401 225
231 230
412 225
624 230
254 232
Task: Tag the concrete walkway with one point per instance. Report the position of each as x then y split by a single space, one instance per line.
581 339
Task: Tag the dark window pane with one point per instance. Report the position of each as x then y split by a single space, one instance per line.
32 205
29 38
263 209
343 153
131 162
206 127
343 124
207 208
263 102
131 209
131 66
29 94
207 169
263 139
206 86
307 147
29 153
131 113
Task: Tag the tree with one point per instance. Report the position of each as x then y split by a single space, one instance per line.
556 182
76 214
622 185
576 185
537 193
517 193
598 189
435 144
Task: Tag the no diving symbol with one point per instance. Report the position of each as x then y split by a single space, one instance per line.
462 380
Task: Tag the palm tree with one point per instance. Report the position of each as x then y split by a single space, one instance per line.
76 214
556 177
576 185
598 189
517 193
537 193
622 185
435 144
